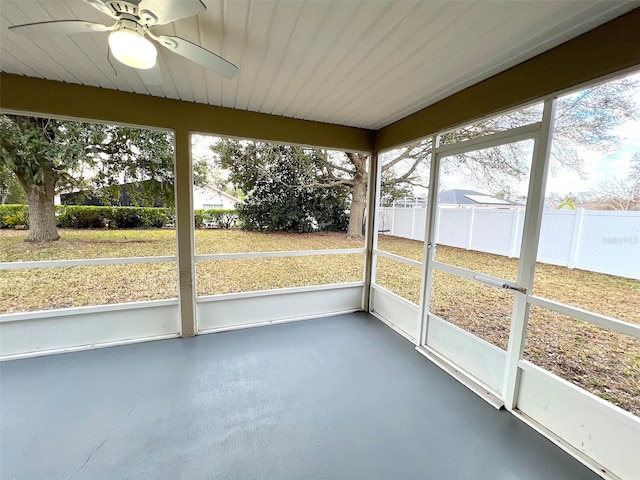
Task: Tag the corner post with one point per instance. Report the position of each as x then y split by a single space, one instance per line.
185 233
371 237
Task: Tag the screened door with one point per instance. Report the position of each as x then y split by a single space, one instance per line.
474 255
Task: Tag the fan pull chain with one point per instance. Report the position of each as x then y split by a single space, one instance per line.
109 60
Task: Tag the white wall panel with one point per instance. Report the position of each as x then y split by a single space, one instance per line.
35 333
601 431
473 355
221 312
401 313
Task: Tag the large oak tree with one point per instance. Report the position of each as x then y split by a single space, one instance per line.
51 156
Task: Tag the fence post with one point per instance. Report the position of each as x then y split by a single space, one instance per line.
393 216
470 231
575 239
518 224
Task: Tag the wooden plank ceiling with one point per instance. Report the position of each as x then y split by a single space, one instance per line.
356 63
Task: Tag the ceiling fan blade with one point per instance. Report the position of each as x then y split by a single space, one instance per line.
167 11
199 55
151 76
100 5
59 27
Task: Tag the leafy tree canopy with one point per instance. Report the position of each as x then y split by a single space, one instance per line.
10 189
281 183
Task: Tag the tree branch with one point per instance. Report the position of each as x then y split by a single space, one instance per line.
408 153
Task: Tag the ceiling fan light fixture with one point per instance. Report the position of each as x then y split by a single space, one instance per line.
132 49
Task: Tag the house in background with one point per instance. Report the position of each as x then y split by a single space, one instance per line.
470 198
146 193
211 198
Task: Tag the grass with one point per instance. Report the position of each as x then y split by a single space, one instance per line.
231 276
603 362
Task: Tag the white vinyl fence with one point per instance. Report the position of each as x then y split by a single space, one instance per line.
598 241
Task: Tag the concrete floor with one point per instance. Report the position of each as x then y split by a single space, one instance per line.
335 398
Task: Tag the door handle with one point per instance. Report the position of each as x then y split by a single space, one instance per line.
499 284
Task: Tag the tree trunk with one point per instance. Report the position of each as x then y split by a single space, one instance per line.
358 196
42 211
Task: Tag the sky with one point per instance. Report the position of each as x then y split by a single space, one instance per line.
200 146
599 167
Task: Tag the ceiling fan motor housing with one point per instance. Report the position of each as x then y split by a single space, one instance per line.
121 10
133 25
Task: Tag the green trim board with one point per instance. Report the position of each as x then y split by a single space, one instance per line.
47 97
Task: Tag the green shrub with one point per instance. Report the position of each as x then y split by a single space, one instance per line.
82 216
156 217
198 218
222 218
217 218
127 218
77 216
12 215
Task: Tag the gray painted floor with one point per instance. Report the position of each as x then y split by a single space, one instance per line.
335 398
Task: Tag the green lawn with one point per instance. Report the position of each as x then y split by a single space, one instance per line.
603 362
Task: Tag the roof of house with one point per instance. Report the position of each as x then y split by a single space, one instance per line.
459 196
217 191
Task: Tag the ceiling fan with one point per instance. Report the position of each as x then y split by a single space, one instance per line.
128 38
